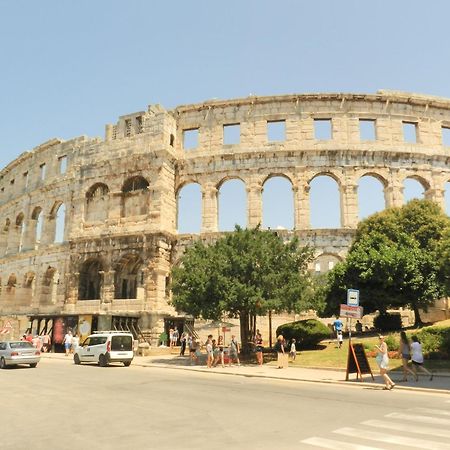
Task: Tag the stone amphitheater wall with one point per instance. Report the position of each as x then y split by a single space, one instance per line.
120 194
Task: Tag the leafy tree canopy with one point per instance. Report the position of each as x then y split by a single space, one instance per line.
244 274
399 258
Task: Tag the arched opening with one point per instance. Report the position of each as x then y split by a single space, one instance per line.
11 284
447 197
57 222
91 280
232 205
128 277
4 237
135 197
189 208
325 203
19 232
370 196
50 281
28 280
37 223
278 203
97 203
412 188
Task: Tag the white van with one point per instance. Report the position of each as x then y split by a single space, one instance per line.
105 347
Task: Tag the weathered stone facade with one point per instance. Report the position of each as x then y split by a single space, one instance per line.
118 196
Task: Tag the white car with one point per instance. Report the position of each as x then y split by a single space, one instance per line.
106 347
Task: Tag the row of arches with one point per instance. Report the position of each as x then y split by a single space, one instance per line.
28 288
278 202
127 278
22 234
134 199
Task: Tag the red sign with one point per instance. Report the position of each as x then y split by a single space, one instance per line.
353 312
225 329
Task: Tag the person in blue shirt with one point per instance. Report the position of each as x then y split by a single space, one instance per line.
337 325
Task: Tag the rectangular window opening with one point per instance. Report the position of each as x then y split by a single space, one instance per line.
322 129
446 136
276 130
317 267
138 124
410 132
25 179
330 265
367 130
232 134
12 181
127 127
62 164
43 169
190 138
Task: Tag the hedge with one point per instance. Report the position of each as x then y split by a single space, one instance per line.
435 341
307 333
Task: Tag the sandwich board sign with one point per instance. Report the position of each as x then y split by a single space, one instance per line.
352 297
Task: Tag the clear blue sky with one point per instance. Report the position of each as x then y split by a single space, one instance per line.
68 68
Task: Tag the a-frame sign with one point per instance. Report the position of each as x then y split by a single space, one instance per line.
357 362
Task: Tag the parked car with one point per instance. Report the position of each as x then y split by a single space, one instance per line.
106 347
13 353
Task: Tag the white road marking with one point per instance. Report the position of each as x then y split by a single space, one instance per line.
417 418
392 439
431 411
412 428
332 443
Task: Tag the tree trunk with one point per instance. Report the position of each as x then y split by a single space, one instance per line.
244 319
417 320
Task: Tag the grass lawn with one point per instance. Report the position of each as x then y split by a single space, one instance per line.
329 356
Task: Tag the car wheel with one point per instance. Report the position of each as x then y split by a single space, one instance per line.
33 365
76 359
127 363
2 363
102 361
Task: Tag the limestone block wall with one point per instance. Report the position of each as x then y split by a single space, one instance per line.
117 197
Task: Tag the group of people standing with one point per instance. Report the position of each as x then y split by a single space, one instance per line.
71 342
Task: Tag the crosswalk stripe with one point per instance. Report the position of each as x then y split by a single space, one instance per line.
392 439
332 443
413 428
431 411
417 418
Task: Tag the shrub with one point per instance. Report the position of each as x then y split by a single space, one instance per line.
308 333
391 342
435 340
388 322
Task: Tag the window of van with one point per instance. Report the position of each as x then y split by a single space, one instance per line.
121 343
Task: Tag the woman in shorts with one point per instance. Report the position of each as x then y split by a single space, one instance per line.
383 363
259 349
417 358
405 353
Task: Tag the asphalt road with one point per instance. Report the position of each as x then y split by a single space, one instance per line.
62 406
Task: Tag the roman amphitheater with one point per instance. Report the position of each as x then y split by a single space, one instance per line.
89 225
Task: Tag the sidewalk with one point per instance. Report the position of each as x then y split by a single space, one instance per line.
440 383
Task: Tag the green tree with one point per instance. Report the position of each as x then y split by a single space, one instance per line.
244 274
397 259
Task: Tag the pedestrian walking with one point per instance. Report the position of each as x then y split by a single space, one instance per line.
417 358
404 351
170 337
218 352
75 342
46 343
209 351
234 351
175 336
68 342
259 349
340 338
293 350
282 357
383 363
192 343
183 342
337 325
